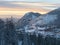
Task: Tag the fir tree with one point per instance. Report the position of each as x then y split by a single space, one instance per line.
10 33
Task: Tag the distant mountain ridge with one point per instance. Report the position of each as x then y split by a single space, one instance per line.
51 18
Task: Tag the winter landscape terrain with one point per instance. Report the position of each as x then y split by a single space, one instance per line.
31 29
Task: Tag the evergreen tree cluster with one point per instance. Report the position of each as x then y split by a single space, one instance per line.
8 35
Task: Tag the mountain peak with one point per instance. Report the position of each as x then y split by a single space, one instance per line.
25 20
32 13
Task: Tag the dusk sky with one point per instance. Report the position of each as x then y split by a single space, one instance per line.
18 8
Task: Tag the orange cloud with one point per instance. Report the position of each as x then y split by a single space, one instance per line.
20 11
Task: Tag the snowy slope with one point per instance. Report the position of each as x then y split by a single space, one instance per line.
27 18
51 20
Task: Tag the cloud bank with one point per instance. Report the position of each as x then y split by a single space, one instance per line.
20 8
